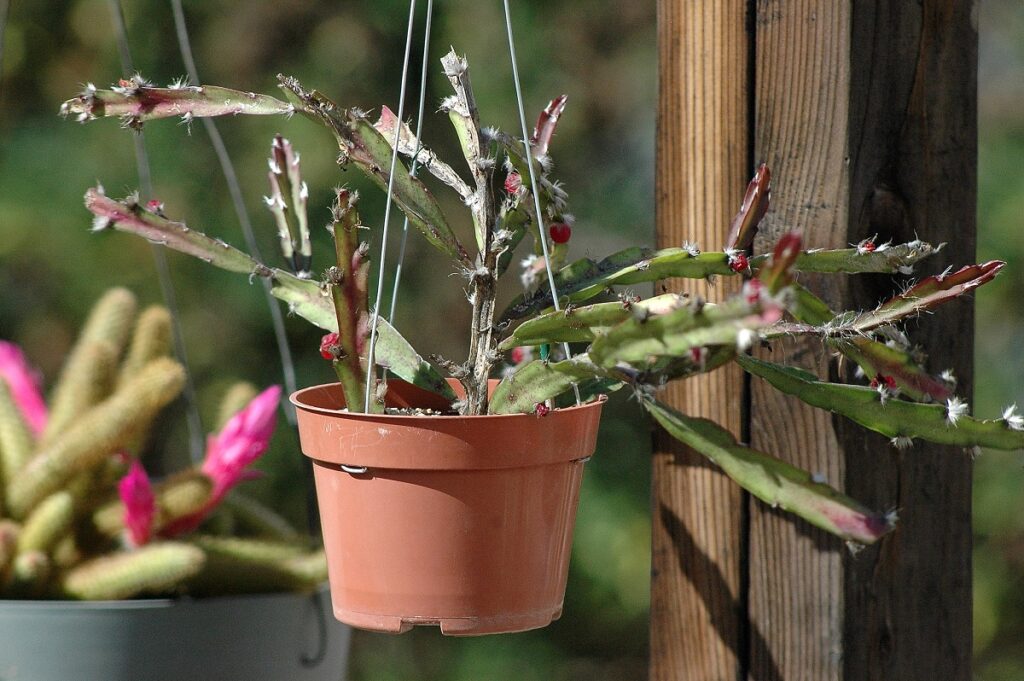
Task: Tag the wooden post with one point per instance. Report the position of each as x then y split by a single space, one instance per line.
866 113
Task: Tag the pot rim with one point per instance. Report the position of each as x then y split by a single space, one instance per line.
299 399
354 441
153 603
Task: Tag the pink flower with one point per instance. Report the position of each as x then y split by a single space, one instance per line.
229 453
136 494
23 383
243 439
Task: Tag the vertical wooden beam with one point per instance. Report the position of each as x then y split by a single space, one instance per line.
866 112
802 104
701 167
913 172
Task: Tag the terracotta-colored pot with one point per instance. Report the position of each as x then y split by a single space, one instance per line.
459 521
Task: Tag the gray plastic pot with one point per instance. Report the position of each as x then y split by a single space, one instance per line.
234 638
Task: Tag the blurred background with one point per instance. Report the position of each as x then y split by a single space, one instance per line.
52 268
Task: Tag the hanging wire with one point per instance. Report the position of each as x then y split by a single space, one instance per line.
370 371
415 157
533 179
163 272
235 190
4 11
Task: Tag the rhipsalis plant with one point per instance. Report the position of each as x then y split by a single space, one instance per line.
79 516
616 338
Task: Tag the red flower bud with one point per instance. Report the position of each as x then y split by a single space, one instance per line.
326 343
513 182
542 409
739 263
560 232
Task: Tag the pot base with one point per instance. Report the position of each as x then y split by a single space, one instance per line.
450 626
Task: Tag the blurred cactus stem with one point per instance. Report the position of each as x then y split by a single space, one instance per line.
238 395
151 339
47 523
90 370
16 440
153 569
97 433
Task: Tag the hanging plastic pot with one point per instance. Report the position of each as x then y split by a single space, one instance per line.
464 522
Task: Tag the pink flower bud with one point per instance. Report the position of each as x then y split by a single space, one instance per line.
240 443
513 183
23 383
541 409
326 343
136 494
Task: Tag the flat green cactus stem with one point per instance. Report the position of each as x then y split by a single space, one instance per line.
895 418
775 482
99 432
47 523
153 569
136 101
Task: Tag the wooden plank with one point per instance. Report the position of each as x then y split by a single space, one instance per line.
913 172
889 86
802 102
701 168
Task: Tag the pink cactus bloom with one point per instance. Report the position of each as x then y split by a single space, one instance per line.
243 439
23 383
229 453
136 494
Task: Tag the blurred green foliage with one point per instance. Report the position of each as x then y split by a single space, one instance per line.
51 268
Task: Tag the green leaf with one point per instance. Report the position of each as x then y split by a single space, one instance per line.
775 482
893 418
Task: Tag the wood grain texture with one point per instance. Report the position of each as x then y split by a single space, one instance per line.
866 112
888 86
913 132
702 167
802 104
